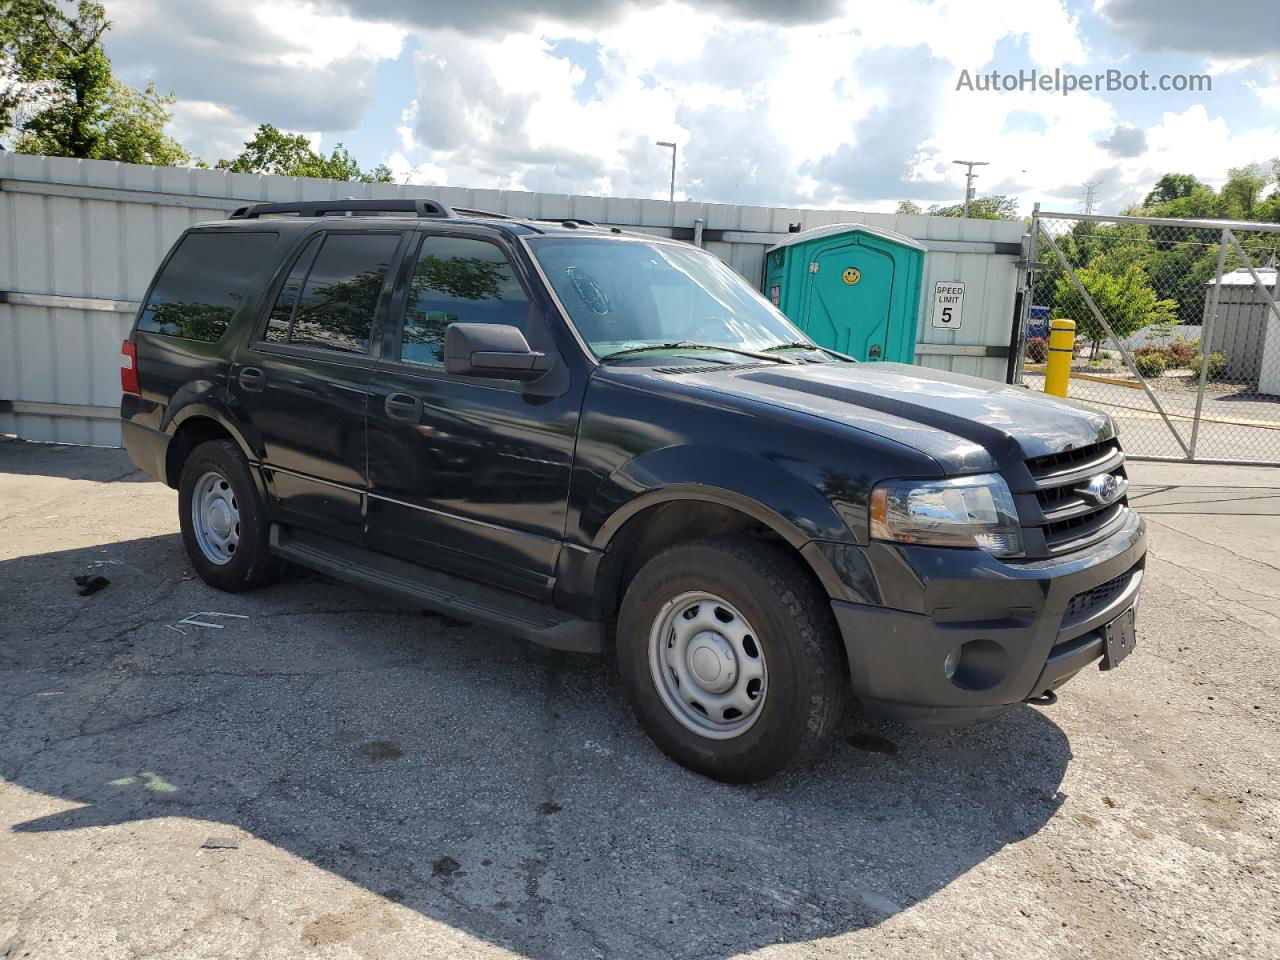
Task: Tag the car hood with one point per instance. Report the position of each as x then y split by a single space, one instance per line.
964 423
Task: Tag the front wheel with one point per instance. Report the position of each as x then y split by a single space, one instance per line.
730 658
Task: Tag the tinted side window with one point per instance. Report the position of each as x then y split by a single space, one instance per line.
282 311
204 282
458 280
338 300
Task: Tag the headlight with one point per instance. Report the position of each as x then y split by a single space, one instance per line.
961 512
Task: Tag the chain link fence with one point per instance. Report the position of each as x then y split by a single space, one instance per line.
1177 329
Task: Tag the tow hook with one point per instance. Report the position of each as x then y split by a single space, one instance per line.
1046 699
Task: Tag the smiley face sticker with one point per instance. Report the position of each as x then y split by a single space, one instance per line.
852 275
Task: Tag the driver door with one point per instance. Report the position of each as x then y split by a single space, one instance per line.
466 474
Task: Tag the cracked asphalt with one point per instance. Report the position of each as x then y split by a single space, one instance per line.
337 776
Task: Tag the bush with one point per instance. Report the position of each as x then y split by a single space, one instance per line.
1217 366
1150 364
1038 350
1183 353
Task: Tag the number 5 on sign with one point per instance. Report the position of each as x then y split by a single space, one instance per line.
948 304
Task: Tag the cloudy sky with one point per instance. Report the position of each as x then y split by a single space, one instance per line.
799 102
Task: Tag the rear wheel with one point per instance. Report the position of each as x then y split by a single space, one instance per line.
224 525
730 658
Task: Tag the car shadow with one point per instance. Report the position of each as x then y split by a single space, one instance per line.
101 464
490 785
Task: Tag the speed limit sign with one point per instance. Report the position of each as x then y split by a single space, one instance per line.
948 304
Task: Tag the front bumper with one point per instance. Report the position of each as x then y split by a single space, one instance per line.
1022 628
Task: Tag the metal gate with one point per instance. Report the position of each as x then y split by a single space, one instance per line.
1177 329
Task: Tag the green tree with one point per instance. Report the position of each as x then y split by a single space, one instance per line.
1126 299
58 96
908 207
1239 196
1172 186
981 208
273 151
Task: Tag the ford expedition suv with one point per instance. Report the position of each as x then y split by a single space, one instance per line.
608 442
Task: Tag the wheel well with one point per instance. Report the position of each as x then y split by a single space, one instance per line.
190 435
654 529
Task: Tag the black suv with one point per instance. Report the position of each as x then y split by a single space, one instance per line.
603 441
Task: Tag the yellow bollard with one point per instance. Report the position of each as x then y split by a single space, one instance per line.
1057 370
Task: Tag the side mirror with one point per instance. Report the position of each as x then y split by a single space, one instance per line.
491 350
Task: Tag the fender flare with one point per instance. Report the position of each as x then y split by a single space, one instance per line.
200 406
193 401
759 488
675 492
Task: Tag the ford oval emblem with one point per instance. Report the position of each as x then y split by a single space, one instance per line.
1104 489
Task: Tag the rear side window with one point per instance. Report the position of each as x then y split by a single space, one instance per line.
287 301
204 282
331 294
458 280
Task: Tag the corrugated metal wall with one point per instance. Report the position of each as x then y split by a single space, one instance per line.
1240 330
80 239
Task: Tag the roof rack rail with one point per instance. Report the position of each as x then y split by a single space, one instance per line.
350 208
473 212
571 221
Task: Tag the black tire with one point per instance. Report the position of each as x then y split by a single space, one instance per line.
807 680
251 564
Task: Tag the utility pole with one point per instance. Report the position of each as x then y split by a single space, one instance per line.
968 180
1090 194
668 143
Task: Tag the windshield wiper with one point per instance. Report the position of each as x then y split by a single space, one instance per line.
694 345
792 345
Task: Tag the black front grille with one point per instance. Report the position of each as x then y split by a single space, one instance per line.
1084 605
1071 461
1063 533
1060 515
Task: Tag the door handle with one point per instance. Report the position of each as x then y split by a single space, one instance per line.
402 406
252 379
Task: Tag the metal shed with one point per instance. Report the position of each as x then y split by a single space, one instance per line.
1245 331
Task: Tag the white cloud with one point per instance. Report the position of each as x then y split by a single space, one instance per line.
837 103
238 63
317 39
837 112
1268 93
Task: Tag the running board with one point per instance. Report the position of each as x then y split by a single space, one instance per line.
438 591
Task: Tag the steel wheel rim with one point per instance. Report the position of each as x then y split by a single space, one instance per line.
708 665
215 518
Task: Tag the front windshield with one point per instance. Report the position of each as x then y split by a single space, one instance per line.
625 294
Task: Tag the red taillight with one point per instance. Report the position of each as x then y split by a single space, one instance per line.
129 368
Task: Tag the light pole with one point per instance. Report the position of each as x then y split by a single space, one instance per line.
668 143
968 180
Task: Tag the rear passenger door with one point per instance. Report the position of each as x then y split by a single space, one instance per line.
302 379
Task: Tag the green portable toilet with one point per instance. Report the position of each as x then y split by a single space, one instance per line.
850 287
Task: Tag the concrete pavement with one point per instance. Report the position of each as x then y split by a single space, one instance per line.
337 776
